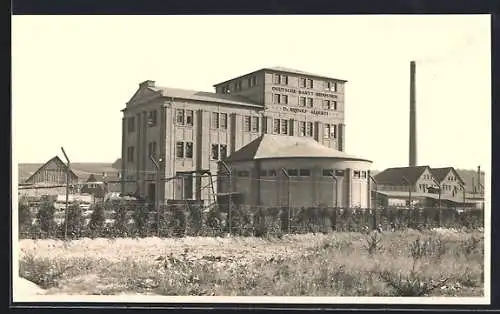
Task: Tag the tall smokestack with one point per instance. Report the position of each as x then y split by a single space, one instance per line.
413 124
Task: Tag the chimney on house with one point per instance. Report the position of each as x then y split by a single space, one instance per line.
147 83
413 124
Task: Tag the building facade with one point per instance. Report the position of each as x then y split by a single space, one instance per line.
275 171
188 131
423 186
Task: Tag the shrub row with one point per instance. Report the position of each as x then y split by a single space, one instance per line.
138 219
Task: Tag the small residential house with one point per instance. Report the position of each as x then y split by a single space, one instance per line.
426 186
394 186
452 185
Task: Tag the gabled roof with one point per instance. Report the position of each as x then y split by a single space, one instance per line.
441 173
268 146
285 70
394 176
56 160
205 96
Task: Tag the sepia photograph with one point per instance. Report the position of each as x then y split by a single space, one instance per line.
246 158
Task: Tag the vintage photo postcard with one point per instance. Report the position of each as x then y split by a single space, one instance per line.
251 159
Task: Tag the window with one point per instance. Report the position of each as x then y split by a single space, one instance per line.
334 131
334 104
272 173
223 151
309 83
280 79
131 124
247 124
179 148
327 172
304 172
302 82
249 82
130 154
309 102
292 172
309 129
363 174
284 99
326 104
254 80
215 152
276 78
240 85
327 131
223 121
284 126
276 126
189 149
189 117
356 174
302 128
284 79
243 173
255 124
302 101
263 173
280 99
152 149
179 113
215 120
152 118
339 173
332 86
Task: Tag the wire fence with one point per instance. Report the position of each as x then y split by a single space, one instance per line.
140 219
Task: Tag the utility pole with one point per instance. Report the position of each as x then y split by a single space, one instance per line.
409 190
289 197
229 172
67 194
157 189
376 189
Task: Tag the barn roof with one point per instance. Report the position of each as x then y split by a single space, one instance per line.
395 176
56 160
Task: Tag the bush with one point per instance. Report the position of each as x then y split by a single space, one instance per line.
45 217
97 219
75 220
24 217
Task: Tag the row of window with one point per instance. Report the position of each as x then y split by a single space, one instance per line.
238 85
282 79
151 121
306 173
305 101
183 150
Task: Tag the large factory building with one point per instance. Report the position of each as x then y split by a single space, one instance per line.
189 131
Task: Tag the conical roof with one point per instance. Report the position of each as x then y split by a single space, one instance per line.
269 146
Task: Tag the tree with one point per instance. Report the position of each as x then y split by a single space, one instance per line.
97 219
45 216
24 217
75 219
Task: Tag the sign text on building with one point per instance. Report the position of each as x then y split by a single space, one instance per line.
301 92
302 110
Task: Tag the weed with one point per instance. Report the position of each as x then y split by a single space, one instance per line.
374 244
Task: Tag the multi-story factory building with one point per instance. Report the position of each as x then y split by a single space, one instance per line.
190 130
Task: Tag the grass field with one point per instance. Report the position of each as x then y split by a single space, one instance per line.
409 263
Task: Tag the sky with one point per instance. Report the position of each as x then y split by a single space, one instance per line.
71 76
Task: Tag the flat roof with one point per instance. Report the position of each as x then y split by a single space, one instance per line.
284 70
